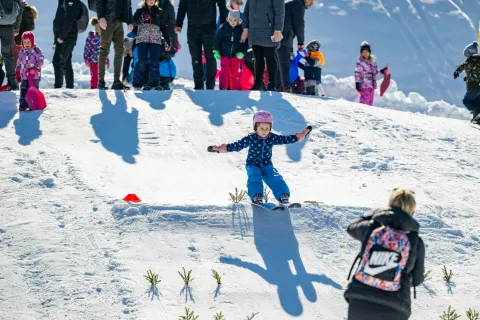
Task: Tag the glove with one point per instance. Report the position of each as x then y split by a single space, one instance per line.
384 70
216 54
17 76
456 74
358 86
240 55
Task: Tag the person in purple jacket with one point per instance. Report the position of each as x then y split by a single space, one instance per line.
30 62
366 73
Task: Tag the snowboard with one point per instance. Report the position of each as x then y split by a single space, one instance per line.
385 83
277 207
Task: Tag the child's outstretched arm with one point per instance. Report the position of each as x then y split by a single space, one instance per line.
298 137
231 147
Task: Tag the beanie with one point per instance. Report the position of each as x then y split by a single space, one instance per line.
235 15
365 46
28 35
471 49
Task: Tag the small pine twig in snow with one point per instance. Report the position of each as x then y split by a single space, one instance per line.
189 315
450 314
218 316
252 316
266 195
152 278
238 196
473 315
186 276
447 274
217 277
426 275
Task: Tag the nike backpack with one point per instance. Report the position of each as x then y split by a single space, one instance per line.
9 10
384 258
82 22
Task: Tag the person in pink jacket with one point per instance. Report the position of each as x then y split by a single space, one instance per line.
366 73
91 53
29 63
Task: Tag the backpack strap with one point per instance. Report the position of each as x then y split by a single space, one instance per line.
353 265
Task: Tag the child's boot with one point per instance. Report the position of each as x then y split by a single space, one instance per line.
258 198
284 198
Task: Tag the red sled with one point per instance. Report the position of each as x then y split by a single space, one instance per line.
385 83
246 78
34 97
4 88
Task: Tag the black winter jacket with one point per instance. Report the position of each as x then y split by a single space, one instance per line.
294 25
65 22
200 12
228 41
398 301
27 24
117 9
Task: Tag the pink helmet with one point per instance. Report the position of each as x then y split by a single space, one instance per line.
262 116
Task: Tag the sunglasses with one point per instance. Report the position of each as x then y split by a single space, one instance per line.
395 189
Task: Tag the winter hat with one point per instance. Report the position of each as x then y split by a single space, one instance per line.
235 15
471 49
365 46
28 35
262 116
313 46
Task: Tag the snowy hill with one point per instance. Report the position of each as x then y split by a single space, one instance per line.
421 40
71 249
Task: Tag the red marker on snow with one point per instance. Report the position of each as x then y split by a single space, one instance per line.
132 197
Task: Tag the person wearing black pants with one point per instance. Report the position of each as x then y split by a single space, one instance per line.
66 34
201 32
263 25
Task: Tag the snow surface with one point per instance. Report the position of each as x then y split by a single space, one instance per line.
71 249
421 40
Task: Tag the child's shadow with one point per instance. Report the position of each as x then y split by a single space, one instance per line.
27 127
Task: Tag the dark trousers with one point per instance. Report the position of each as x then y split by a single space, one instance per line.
24 85
263 54
127 61
472 100
114 33
148 53
202 38
365 310
6 38
62 63
283 74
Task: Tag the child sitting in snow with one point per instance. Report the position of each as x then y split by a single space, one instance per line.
29 64
366 73
314 61
230 51
259 160
92 51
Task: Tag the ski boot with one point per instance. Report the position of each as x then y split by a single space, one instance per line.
284 198
257 199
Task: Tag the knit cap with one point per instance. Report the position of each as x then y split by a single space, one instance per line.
365 46
234 15
471 49
28 35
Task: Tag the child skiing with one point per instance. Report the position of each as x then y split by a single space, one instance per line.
259 160
29 64
314 60
391 261
92 51
366 72
230 51
471 66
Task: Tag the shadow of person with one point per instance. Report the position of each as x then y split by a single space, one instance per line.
117 128
286 119
27 127
276 242
8 107
156 99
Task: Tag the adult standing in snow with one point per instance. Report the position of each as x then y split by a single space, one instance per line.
112 14
366 72
471 66
263 25
10 18
294 27
202 16
65 33
29 16
392 260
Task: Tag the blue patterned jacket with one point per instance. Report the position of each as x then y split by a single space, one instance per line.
260 149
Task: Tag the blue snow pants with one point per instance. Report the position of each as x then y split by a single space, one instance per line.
272 178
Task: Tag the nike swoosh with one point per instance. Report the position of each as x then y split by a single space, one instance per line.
373 271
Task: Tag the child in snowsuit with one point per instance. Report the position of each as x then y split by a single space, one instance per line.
232 5
366 73
92 51
298 84
259 160
29 63
471 66
230 51
152 23
392 259
314 61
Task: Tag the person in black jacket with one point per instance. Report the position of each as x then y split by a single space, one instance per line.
66 33
152 24
202 16
294 26
230 51
112 14
10 18
29 16
384 298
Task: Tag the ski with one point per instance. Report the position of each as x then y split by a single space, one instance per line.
292 205
270 206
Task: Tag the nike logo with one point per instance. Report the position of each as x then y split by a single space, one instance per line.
381 261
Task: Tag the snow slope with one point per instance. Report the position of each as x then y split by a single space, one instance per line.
71 249
422 40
